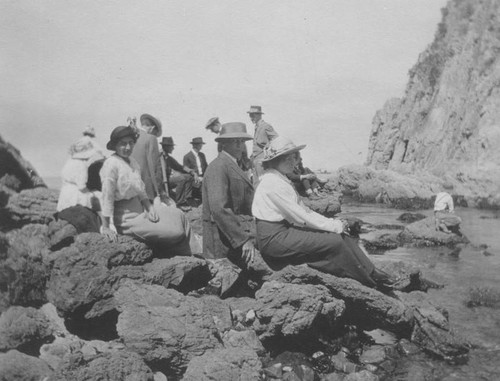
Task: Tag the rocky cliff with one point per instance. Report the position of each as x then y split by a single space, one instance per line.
448 122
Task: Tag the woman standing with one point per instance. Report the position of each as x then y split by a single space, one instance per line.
124 201
289 233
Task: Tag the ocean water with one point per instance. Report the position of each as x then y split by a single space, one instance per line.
53 182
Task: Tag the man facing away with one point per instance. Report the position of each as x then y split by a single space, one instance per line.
444 214
264 133
147 154
228 228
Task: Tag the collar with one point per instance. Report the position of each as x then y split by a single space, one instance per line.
230 156
194 152
273 171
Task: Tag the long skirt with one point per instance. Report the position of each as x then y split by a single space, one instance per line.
171 233
282 244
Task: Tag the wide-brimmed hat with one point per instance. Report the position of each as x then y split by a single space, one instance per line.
211 122
255 110
197 140
167 141
156 123
89 131
280 146
233 130
118 133
82 149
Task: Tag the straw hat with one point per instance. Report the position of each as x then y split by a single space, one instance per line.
280 146
156 123
233 130
118 133
83 149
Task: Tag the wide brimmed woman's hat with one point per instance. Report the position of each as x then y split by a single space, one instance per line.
83 149
197 140
156 123
280 146
119 133
211 122
233 130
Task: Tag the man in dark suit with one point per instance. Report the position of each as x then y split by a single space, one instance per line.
195 159
228 227
147 154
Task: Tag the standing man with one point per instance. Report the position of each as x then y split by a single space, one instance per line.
195 159
228 229
264 133
147 154
181 181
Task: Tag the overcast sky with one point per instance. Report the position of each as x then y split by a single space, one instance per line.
319 69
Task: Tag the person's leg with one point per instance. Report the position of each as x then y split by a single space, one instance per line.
183 187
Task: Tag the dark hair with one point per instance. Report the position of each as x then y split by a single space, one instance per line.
94 179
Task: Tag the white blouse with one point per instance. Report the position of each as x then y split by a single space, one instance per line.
276 200
120 181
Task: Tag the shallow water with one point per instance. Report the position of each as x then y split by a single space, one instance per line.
474 266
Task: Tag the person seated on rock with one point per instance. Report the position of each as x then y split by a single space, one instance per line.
289 233
304 180
444 214
124 201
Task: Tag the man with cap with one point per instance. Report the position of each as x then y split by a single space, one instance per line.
228 227
195 159
180 181
147 154
264 133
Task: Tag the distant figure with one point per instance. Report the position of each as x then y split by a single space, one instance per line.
444 214
228 226
213 125
264 133
147 154
182 180
195 159
304 180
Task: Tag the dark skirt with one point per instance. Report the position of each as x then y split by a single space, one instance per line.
282 244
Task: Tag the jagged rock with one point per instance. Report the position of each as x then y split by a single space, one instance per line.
243 339
225 275
373 355
327 205
293 310
33 206
167 328
363 375
110 366
380 242
365 306
423 233
17 366
181 273
411 217
224 365
431 330
406 348
409 277
61 234
24 329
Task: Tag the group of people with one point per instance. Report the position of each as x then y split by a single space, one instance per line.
250 204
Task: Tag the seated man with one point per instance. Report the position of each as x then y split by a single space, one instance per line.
180 181
195 160
444 214
304 180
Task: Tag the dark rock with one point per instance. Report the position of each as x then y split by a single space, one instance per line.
364 375
33 206
408 277
225 278
17 366
114 366
423 233
24 329
61 234
328 205
224 365
380 243
411 217
407 348
373 355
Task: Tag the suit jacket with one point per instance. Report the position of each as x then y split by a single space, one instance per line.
264 133
147 154
227 208
190 162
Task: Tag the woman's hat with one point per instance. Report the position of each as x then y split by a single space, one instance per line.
211 122
280 146
255 110
83 149
155 121
167 141
89 131
197 140
233 130
118 133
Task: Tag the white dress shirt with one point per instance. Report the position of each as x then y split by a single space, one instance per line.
198 161
276 200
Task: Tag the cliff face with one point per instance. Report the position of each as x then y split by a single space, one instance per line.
448 122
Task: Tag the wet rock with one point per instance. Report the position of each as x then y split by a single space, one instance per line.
364 375
411 217
61 234
431 330
167 328
327 205
33 206
224 365
379 243
17 366
341 363
365 306
423 233
111 366
373 355
292 309
243 339
407 348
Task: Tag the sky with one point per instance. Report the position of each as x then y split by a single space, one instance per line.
319 69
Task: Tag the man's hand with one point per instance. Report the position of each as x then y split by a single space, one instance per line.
109 234
248 252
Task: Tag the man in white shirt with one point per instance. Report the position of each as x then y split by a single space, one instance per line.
444 213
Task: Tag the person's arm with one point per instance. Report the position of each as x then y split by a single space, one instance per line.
109 176
270 132
153 163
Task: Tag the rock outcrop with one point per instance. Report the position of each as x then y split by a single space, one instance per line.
448 122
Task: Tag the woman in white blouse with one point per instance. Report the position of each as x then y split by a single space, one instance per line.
289 233
124 201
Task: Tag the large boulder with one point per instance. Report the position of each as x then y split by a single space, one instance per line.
17 366
32 206
423 233
328 205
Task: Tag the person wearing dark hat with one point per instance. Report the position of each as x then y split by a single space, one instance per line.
264 133
289 233
147 154
126 203
227 198
195 159
182 180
